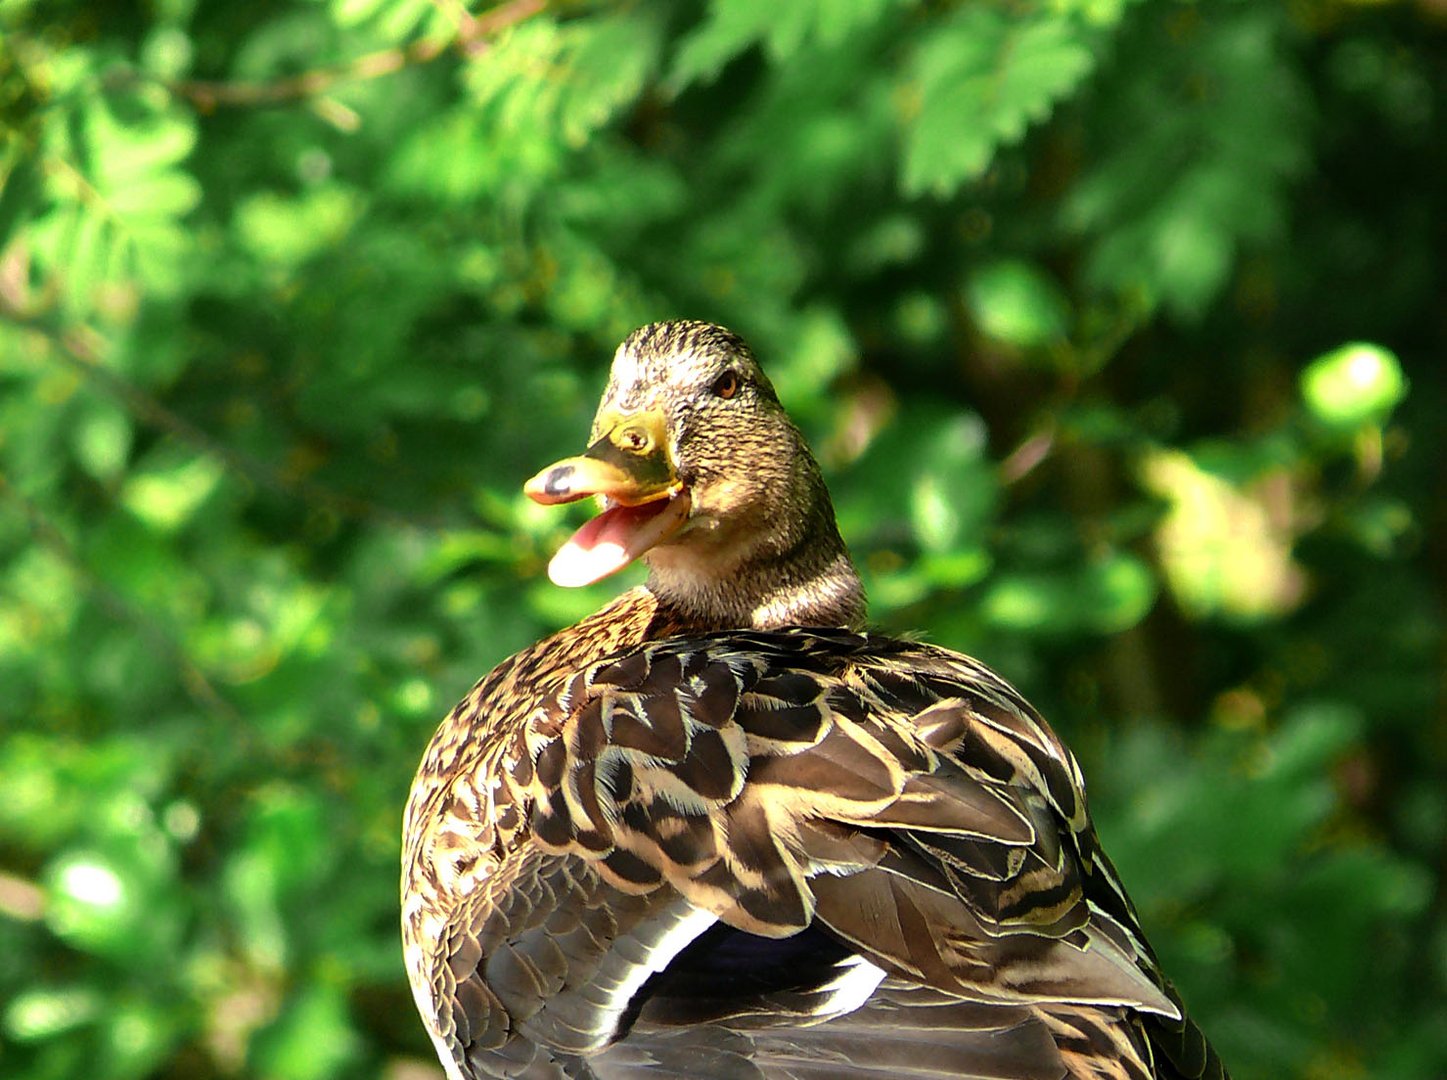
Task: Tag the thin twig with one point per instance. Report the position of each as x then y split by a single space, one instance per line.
499 18
472 32
21 899
1028 456
209 95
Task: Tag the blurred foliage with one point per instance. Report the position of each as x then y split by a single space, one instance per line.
1119 327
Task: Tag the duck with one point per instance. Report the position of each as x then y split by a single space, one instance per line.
721 829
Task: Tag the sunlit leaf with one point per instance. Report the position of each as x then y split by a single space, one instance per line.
162 195
167 496
44 1014
1353 385
982 80
103 442
313 1039
110 901
1222 549
735 25
289 231
1017 304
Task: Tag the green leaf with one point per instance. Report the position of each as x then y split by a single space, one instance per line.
821 351
955 491
1192 154
44 1013
404 19
609 61
546 88
112 899
102 440
1105 596
1016 303
19 194
1221 549
167 496
117 196
1353 385
158 195
88 252
288 231
313 1039
981 80
1120 591
734 26
138 1036
122 152
354 12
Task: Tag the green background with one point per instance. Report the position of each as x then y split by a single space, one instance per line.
1119 328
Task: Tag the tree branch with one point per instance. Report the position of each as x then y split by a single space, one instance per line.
471 38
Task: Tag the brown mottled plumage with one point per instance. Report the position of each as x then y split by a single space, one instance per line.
716 830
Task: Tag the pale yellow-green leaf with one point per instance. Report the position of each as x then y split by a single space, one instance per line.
1223 551
102 441
167 497
167 194
287 231
1353 385
122 152
43 1012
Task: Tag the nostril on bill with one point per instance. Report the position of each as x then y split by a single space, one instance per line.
559 481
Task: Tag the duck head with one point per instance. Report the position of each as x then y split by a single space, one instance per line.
700 472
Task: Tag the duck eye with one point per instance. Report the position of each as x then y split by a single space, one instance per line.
727 384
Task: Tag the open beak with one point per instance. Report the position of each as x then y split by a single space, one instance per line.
644 502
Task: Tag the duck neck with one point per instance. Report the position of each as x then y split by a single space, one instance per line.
808 581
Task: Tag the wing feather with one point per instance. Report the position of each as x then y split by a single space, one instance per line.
899 798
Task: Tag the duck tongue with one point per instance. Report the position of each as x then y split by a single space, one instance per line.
614 538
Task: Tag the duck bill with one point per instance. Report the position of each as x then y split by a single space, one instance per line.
631 472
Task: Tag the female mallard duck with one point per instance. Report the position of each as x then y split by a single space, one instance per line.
717 829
